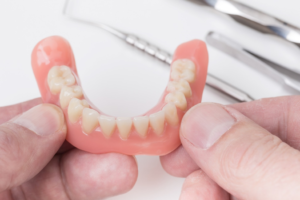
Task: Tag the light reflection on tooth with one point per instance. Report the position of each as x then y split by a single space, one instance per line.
183 69
180 86
124 125
89 120
171 114
75 109
178 99
107 124
141 125
68 93
157 122
58 76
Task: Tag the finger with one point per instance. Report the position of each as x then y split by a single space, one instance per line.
81 175
280 116
178 163
28 142
8 112
199 186
243 158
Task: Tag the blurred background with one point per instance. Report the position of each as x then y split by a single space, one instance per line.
123 81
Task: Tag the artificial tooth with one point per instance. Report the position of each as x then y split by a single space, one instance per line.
157 122
178 99
183 69
75 109
59 76
68 93
171 114
107 124
180 86
89 120
141 125
124 125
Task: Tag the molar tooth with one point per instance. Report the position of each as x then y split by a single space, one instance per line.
141 125
180 86
178 99
75 109
107 124
171 114
89 120
124 125
58 76
67 93
183 69
157 122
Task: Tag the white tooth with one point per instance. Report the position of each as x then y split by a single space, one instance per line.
107 124
89 120
59 76
75 109
171 114
157 122
180 86
124 126
141 125
68 93
183 69
178 99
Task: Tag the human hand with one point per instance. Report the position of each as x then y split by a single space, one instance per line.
36 163
243 151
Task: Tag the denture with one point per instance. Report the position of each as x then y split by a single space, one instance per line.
153 133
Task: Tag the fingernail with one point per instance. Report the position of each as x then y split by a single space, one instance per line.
205 124
44 119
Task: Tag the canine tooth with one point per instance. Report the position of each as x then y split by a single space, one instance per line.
157 122
89 120
180 86
75 109
124 125
59 76
171 114
183 69
178 99
141 125
107 124
67 93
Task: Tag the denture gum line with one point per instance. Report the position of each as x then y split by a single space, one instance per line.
62 81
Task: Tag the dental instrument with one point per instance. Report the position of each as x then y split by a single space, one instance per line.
249 58
164 56
259 21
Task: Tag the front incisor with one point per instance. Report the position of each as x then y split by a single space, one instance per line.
75 109
157 122
107 124
171 114
183 69
67 93
124 125
178 99
89 120
180 86
141 125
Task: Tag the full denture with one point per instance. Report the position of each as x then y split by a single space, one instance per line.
154 133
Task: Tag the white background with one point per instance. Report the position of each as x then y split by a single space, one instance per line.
124 82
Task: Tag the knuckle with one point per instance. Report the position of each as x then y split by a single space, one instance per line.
246 160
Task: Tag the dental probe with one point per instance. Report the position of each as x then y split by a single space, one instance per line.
165 57
258 20
252 60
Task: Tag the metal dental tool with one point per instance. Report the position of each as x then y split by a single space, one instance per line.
166 57
249 58
257 20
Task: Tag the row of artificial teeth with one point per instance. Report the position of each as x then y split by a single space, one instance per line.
183 73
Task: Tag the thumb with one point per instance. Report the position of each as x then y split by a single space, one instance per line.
28 142
243 158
